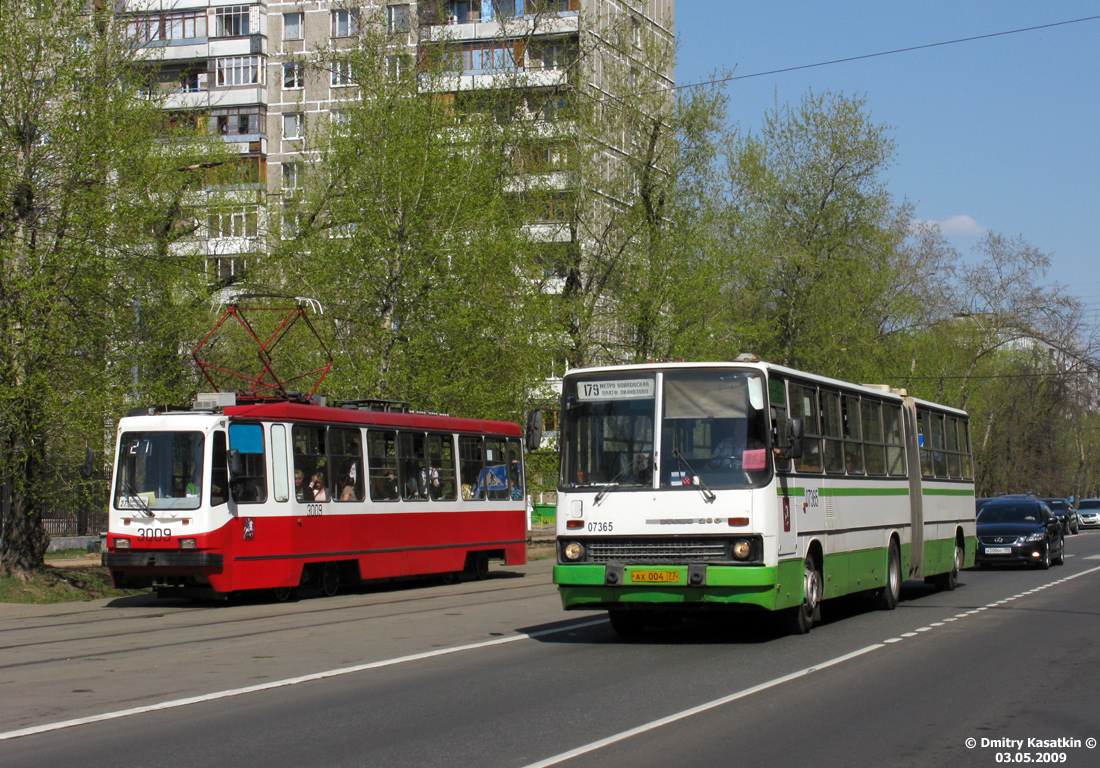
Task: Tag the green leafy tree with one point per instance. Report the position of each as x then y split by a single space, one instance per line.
91 203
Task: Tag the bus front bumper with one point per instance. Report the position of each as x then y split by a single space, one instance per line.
606 586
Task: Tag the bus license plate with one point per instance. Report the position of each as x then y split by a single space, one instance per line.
654 577
998 550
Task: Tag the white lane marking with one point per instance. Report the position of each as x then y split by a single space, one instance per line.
595 745
288 681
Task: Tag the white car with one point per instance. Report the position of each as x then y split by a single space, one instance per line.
1088 513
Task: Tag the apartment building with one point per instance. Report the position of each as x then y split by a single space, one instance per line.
241 67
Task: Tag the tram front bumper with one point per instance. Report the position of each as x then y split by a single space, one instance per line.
161 559
586 586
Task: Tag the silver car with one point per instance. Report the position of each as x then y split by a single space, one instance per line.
1088 513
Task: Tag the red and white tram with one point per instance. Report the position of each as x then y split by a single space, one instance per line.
243 493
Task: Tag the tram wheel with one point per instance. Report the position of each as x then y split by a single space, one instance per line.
330 579
285 594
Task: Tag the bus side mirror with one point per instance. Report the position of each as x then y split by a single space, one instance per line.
794 439
534 429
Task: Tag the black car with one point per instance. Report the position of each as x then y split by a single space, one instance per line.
1019 531
1063 509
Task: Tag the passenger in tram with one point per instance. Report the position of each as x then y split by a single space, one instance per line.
320 493
302 492
416 479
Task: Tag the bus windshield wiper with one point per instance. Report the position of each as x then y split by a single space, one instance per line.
681 462
132 494
613 483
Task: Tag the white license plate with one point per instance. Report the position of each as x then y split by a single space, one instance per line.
998 550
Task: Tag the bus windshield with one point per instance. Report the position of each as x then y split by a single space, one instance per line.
714 432
159 470
607 432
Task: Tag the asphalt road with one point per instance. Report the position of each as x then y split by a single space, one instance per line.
494 673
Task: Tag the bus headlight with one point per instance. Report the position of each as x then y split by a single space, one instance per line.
742 549
574 551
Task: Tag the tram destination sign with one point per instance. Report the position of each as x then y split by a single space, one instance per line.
621 389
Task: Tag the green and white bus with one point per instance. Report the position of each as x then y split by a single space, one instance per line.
745 485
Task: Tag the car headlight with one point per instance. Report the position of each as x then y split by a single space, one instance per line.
1037 536
574 551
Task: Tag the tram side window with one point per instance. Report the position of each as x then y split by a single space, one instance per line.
412 471
441 468
493 482
895 451
250 486
874 449
311 460
515 469
853 436
832 425
219 474
382 464
470 465
346 451
804 406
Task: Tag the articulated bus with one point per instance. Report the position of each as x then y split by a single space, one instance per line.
241 493
691 487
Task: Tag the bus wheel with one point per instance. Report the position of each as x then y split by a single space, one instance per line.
285 594
800 619
948 581
330 579
886 598
627 623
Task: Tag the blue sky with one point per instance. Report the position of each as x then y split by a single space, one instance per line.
999 134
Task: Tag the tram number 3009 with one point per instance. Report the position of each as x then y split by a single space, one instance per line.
154 534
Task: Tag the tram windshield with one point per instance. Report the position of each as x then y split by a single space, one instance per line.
159 470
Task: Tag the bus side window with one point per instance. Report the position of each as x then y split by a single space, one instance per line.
219 472
777 394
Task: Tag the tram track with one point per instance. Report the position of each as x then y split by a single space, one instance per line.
257 625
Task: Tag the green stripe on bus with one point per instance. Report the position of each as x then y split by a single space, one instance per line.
949 492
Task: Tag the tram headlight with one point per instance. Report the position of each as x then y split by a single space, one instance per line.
187 543
742 549
574 551
122 543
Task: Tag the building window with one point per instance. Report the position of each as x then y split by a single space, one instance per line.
226 269
292 175
231 21
555 55
185 26
239 70
294 124
234 224
239 121
484 57
345 23
293 76
341 73
292 26
398 64
398 19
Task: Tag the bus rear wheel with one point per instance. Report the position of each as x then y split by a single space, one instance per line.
800 619
887 596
